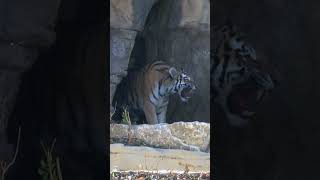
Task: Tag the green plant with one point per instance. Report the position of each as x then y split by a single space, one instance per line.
49 167
126 120
126 117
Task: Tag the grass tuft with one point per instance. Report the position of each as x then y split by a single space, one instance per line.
50 166
126 117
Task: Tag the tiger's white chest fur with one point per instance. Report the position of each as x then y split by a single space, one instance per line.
159 96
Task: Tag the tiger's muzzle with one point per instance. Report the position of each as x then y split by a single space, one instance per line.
187 92
245 97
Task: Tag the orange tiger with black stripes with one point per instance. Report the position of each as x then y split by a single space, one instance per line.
146 91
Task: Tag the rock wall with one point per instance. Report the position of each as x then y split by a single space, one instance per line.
127 17
173 31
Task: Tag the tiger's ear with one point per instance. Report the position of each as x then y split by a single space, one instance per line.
173 72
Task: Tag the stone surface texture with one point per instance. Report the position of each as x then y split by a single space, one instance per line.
194 136
135 158
127 17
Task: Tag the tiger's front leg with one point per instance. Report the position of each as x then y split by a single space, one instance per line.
161 114
150 112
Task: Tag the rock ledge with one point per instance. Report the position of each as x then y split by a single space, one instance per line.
194 136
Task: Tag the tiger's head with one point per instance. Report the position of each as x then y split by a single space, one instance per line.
238 78
178 82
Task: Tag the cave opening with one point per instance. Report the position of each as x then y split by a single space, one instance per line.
137 60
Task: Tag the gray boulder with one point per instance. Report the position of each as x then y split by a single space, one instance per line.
194 136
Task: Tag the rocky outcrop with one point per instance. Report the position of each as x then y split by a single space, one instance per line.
127 17
194 136
129 14
135 158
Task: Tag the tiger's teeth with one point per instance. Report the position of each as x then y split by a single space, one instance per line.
248 113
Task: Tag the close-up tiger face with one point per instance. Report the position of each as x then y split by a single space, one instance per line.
239 79
147 90
181 83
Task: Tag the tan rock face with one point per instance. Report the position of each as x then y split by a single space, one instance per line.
144 158
126 18
129 14
121 44
181 14
193 133
194 136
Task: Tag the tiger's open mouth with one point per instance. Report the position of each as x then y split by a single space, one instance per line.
244 98
186 93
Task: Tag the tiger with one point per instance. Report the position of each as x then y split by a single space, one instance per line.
239 80
146 91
